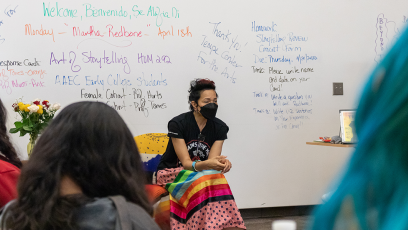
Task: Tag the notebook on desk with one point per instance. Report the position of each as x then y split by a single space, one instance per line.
347 127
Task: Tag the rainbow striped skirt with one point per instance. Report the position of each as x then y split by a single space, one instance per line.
198 200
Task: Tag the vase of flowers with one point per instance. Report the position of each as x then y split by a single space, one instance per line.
34 118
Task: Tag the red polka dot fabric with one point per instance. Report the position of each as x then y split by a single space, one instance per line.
167 175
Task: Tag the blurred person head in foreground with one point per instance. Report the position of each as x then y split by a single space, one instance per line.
373 191
86 153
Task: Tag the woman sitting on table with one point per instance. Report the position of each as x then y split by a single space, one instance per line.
85 172
196 144
10 164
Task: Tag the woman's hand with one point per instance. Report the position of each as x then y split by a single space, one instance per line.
216 163
227 164
227 167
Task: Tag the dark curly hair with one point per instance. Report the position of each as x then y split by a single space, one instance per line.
90 143
196 87
6 148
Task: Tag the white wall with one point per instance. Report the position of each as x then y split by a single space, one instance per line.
272 165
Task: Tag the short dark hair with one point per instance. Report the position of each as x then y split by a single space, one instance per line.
90 143
6 148
196 87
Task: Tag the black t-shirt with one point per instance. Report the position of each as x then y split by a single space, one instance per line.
185 127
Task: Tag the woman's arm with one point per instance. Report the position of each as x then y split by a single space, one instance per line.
216 149
183 155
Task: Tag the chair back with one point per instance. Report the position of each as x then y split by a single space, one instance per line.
151 147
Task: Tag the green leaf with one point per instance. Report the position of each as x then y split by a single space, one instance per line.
23 132
27 128
26 122
18 124
14 130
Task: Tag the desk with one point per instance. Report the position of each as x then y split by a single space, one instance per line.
331 145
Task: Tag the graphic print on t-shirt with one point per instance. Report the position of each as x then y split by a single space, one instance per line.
198 153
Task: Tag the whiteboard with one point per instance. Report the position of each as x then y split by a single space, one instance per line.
273 63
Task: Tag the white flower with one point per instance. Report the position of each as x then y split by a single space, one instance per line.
33 108
55 106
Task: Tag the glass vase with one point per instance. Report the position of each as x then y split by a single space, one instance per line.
31 143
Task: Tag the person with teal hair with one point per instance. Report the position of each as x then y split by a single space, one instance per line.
373 191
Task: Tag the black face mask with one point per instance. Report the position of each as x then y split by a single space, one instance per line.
209 110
